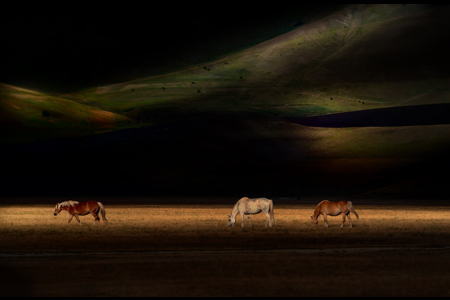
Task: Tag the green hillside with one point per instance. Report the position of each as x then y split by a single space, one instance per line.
27 115
362 57
233 125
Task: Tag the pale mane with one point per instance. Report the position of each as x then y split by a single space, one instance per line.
68 203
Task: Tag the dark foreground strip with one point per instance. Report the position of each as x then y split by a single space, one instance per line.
299 251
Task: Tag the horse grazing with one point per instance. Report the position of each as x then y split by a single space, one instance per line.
246 206
75 209
333 209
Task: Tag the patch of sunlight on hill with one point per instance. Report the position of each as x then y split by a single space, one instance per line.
25 112
319 68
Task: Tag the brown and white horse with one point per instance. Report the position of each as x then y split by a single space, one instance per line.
75 209
333 209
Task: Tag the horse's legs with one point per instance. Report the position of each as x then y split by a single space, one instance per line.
242 217
249 223
349 219
70 219
78 219
96 217
325 220
343 219
269 221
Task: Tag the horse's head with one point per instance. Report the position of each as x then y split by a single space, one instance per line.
231 221
314 222
57 209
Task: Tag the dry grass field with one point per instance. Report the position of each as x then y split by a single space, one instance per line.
204 227
188 250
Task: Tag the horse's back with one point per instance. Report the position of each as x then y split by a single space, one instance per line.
332 208
93 205
324 204
246 200
255 205
344 204
327 203
261 202
87 206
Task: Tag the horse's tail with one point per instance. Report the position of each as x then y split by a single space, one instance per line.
272 216
102 209
350 208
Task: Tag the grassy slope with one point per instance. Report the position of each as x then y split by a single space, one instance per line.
365 56
346 56
28 116
364 53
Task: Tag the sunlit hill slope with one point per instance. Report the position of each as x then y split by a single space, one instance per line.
267 120
362 57
27 115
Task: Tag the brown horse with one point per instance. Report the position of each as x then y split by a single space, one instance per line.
75 209
333 209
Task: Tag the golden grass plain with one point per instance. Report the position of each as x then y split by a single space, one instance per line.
27 228
188 250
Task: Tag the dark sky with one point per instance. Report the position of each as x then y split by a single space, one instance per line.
59 49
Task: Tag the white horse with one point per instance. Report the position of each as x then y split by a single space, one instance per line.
246 206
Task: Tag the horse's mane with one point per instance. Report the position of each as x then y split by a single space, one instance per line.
320 203
68 203
235 207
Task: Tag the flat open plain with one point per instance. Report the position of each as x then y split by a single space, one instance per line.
157 248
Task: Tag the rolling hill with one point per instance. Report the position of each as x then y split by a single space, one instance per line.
27 115
263 120
361 57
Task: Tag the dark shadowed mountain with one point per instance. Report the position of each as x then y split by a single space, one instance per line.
416 115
